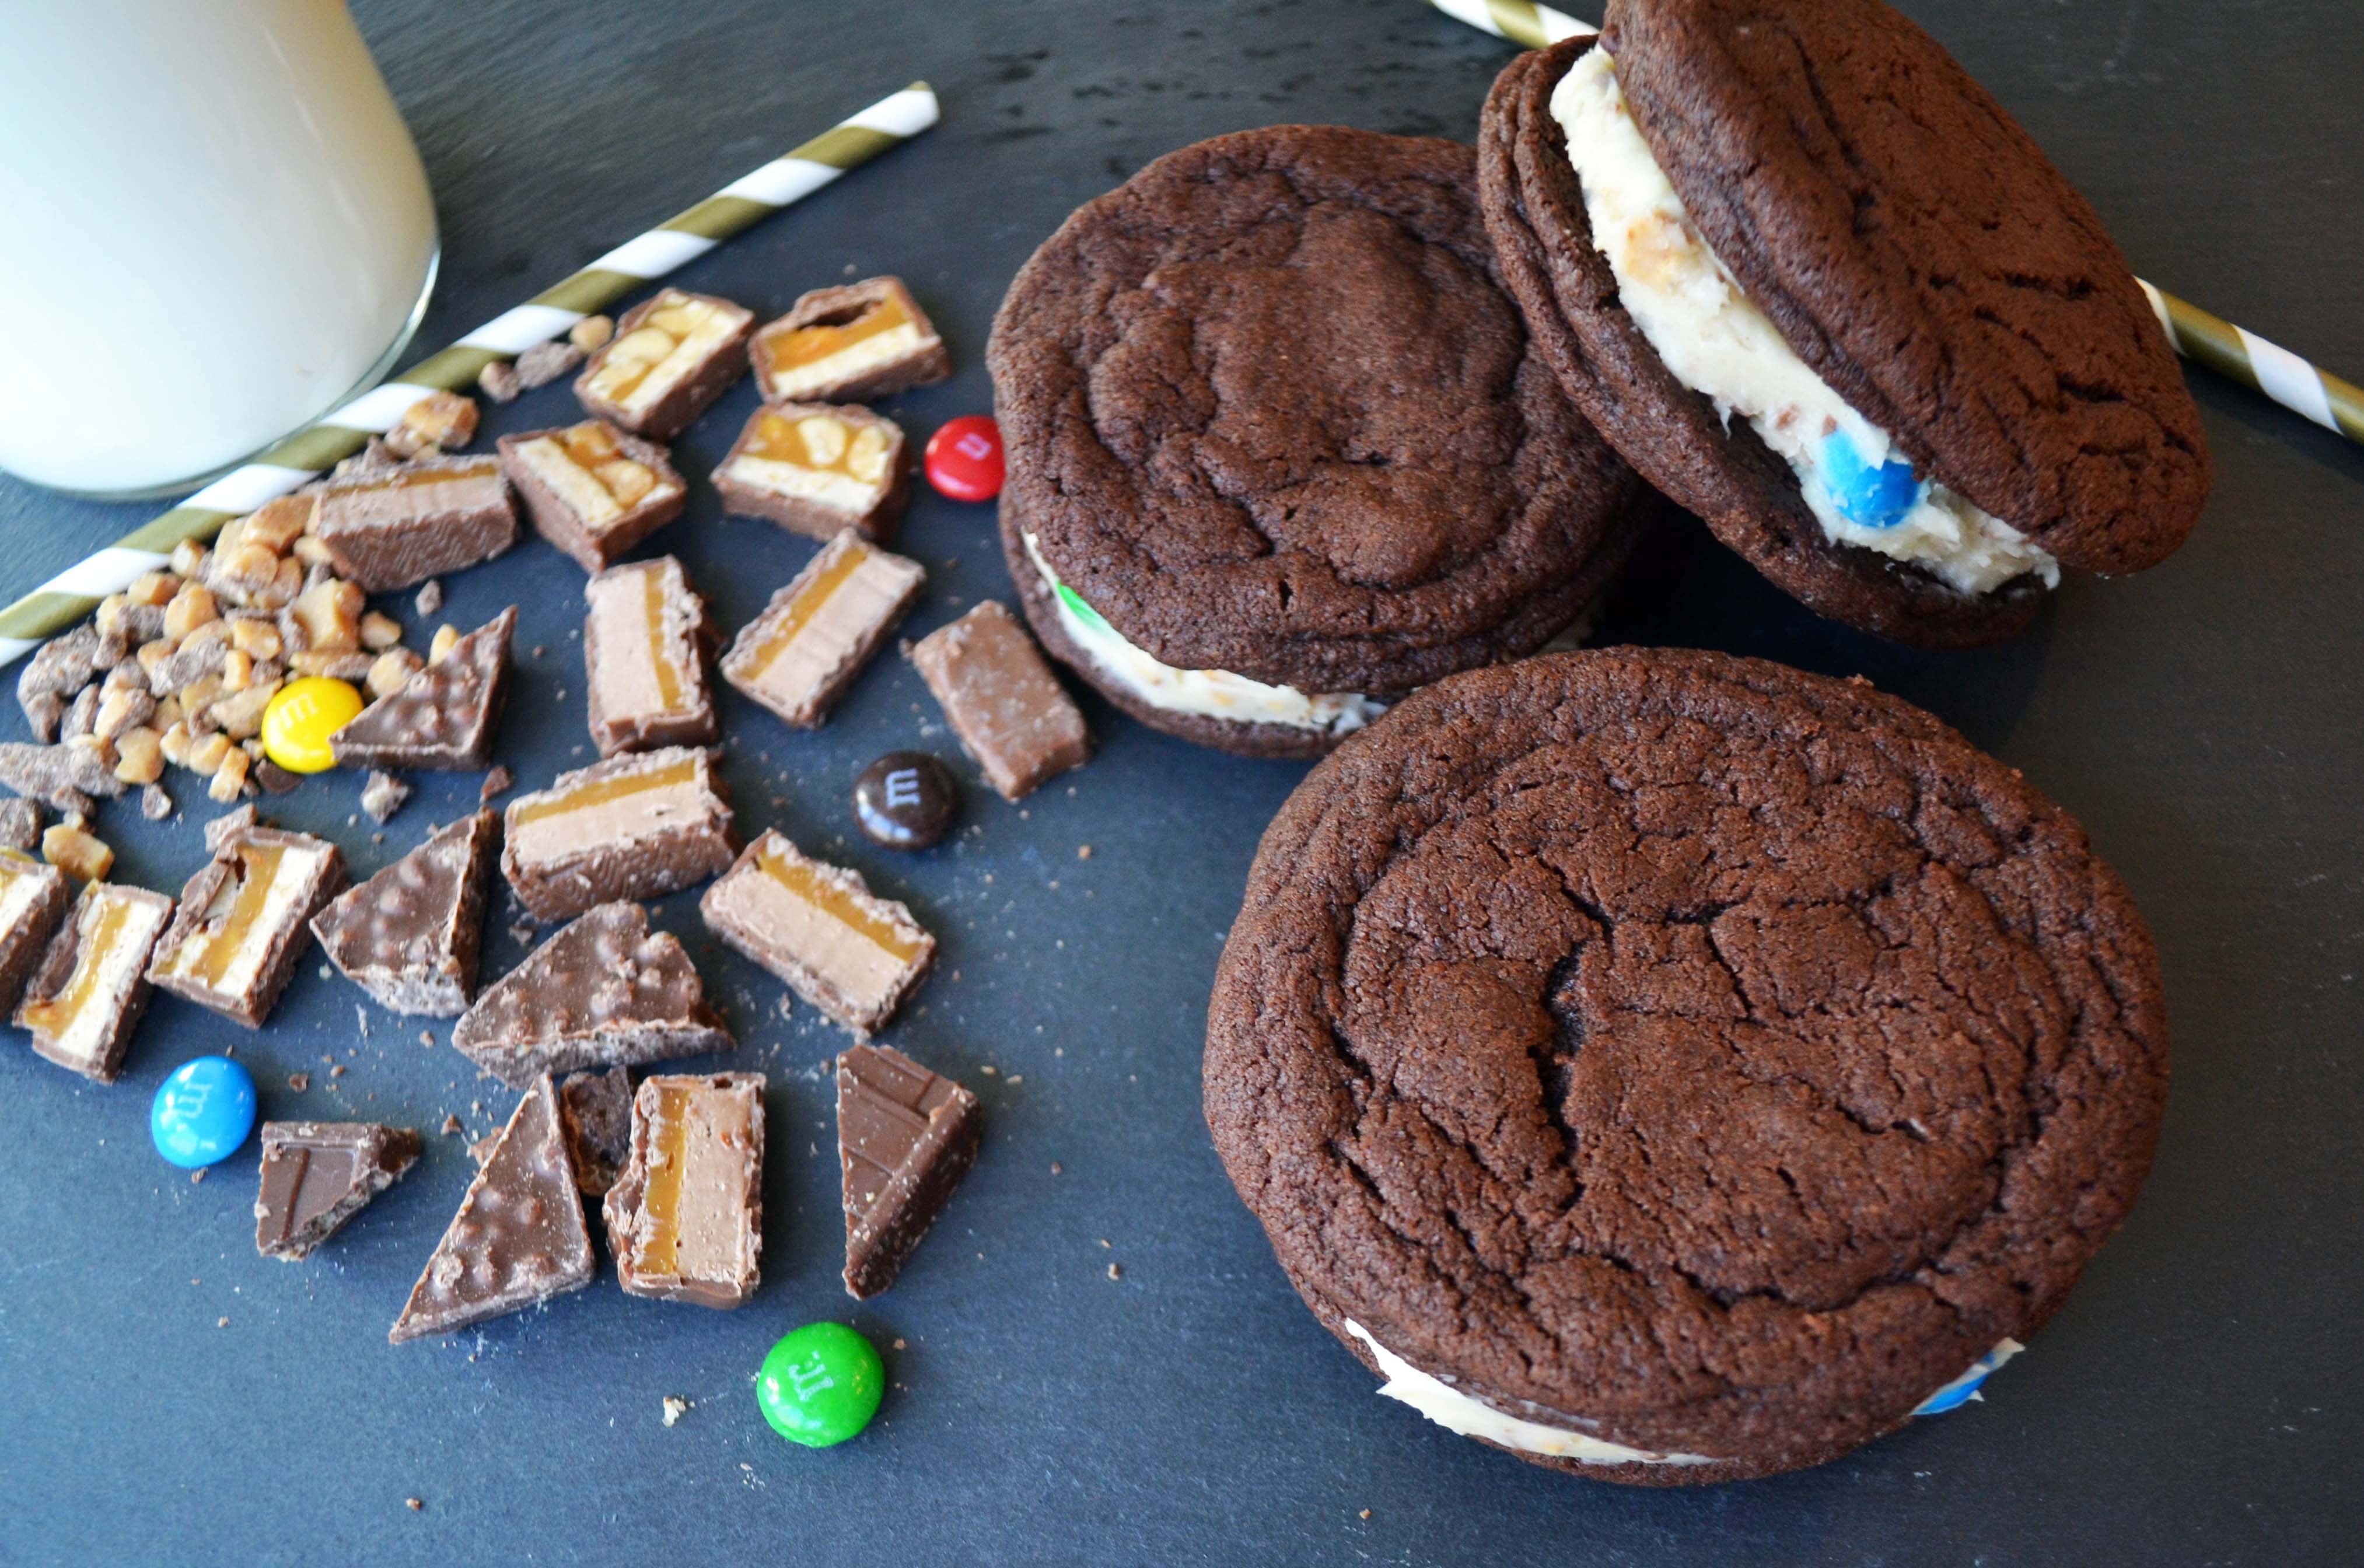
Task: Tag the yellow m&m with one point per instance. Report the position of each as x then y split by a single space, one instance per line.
300 718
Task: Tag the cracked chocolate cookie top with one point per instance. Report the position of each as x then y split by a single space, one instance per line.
1267 411
1686 1050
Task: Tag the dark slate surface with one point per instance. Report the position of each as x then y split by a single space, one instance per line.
2196 1402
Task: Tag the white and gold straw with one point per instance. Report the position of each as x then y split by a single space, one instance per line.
2231 352
74 593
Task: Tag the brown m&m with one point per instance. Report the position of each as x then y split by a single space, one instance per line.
906 800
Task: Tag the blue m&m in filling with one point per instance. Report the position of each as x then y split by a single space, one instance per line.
1960 1392
1866 496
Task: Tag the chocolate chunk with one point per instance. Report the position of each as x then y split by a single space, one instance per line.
849 344
1009 711
383 795
429 597
634 827
21 825
62 777
815 468
498 780
592 490
92 986
243 921
33 899
645 647
672 356
545 362
56 672
604 992
500 381
155 802
409 935
597 1110
443 718
318 1175
905 1139
219 830
518 1239
817 633
273 779
853 955
685 1218
388 529
906 800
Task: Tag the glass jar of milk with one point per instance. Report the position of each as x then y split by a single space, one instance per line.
214 228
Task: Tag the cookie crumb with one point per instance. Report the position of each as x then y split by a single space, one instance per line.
452 1127
1115 1273
413 1504
1057 1169
197 1175
430 596
1367 1513
338 1071
427 1039
299 1082
675 1408
900 1345
221 1322
1083 851
496 781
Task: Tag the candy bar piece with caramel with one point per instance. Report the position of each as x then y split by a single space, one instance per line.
815 468
849 952
905 1139
644 647
33 899
92 986
318 1175
592 490
685 1218
637 826
243 921
409 935
443 717
671 357
1009 711
388 527
818 632
849 344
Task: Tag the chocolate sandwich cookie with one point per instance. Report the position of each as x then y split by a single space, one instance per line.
1279 449
1822 291
1673 1067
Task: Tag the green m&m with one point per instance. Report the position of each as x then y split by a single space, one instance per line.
820 1384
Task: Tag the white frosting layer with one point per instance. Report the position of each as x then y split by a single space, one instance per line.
1714 341
836 491
1213 693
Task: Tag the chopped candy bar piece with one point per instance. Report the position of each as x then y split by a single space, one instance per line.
92 986
33 899
853 955
849 345
243 921
21 825
318 1175
61 777
905 1139
637 826
518 1239
598 1111
685 1218
644 647
386 528
1009 711
444 715
814 468
592 490
409 935
816 635
671 357
604 992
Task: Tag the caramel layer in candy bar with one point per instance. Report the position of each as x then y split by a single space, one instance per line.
318 1175
92 986
905 1139
815 636
637 826
243 921
388 527
685 1218
644 647
671 357
409 935
998 694
592 490
443 717
814 468
853 955
849 345
33 899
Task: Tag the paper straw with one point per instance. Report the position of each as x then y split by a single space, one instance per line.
74 593
2231 352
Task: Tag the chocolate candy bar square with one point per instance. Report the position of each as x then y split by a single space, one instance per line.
388 527
685 1218
853 955
644 647
998 694
318 1175
637 826
905 1139
443 718
243 921
849 344
672 356
814 468
409 935
592 490
33 899
799 656
86 997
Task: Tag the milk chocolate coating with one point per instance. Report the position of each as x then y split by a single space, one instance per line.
21 945
595 550
409 935
445 717
640 860
811 517
1011 713
686 637
695 394
284 942
123 1001
717 1215
905 1139
318 1175
924 365
385 537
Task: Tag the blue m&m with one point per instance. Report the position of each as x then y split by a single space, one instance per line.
203 1112
1866 496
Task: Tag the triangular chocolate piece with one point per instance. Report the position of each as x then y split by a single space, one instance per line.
905 1139
318 1175
445 717
409 935
604 992
518 1239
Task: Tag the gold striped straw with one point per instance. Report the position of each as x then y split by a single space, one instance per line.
74 593
2234 353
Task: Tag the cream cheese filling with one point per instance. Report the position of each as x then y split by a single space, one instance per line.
1213 693
1713 341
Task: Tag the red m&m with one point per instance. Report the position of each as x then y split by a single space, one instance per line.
963 459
